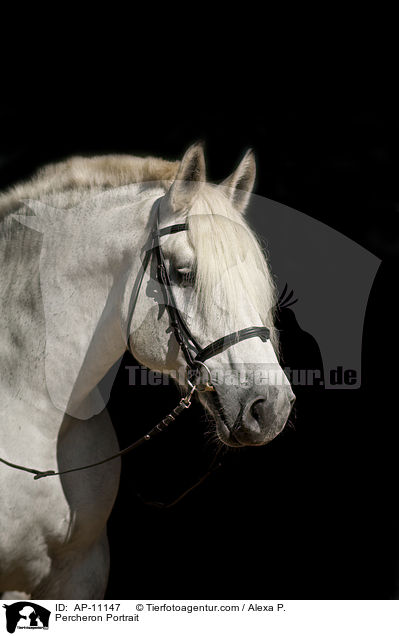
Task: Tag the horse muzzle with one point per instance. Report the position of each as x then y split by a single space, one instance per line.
259 420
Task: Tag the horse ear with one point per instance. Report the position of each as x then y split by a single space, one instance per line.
189 179
239 184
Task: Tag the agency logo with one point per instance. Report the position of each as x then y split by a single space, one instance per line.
26 615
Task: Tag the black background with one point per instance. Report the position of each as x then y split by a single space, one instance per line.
313 514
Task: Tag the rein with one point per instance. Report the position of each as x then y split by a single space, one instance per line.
193 353
184 403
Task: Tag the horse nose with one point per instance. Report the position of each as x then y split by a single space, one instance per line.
262 408
257 408
264 418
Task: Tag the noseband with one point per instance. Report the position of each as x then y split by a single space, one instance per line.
194 354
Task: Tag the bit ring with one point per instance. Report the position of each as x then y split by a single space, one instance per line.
201 386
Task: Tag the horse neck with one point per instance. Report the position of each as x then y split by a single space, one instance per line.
70 319
22 328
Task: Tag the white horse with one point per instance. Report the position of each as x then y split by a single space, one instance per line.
67 278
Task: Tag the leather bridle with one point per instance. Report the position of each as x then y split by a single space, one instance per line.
195 355
185 339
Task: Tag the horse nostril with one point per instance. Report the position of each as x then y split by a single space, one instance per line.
257 408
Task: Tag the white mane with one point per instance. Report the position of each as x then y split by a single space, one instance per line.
80 176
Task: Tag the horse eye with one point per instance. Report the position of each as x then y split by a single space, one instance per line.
186 277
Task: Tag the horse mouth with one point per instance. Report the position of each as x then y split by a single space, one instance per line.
224 430
226 435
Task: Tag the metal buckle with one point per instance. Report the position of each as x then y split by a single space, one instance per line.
186 400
